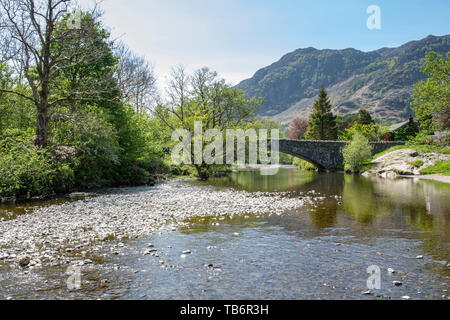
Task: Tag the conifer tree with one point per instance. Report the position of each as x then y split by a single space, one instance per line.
322 124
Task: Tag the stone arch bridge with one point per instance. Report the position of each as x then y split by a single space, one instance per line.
326 155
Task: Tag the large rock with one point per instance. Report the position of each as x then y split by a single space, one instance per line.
403 162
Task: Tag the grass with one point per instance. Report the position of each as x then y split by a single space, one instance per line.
419 148
440 167
417 163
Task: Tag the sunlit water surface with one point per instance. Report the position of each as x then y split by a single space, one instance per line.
319 251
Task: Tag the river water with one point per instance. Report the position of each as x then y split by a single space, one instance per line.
320 250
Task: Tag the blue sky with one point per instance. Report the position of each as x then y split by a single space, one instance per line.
236 38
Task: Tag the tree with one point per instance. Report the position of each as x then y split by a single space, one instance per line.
136 79
322 125
297 128
372 132
432 97
356 153
43 46
363 117
204 97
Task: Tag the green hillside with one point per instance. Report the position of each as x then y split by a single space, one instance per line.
380 81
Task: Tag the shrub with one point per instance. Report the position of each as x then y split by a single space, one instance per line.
373 132
26 171
357 153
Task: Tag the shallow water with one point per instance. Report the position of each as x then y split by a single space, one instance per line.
319 251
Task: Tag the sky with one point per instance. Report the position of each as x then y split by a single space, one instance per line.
238 37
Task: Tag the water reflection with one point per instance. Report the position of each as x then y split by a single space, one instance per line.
368 207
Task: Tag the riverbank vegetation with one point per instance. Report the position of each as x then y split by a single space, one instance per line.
80 111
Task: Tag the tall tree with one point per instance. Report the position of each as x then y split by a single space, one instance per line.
432 97
204 97
136 78
363 117
322 124
44 43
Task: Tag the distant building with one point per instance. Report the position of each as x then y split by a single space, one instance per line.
401 131
403 125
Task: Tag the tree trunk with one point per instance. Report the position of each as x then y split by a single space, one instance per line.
41 127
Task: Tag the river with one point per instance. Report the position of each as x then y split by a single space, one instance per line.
295 235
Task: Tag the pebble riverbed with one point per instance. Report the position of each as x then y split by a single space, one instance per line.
58 234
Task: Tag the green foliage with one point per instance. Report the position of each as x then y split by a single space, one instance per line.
407 133
440 167
363 117
416 163
322 125
432 97
357 153
94 140
372 132
304 165
26 171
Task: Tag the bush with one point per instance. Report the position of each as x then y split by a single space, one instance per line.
26 171
373 132
357 153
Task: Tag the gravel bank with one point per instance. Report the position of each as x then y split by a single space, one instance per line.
55 234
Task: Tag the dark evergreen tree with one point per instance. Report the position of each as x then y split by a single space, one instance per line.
364 117
322 124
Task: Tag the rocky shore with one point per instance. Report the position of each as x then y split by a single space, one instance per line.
403 162
60 234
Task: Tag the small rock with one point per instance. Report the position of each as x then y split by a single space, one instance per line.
419 257
397 283
24 261
187 252
9 298
236 234
390 270
406 298
150 245
183 256
367 292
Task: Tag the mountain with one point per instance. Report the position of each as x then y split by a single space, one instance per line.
380 81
